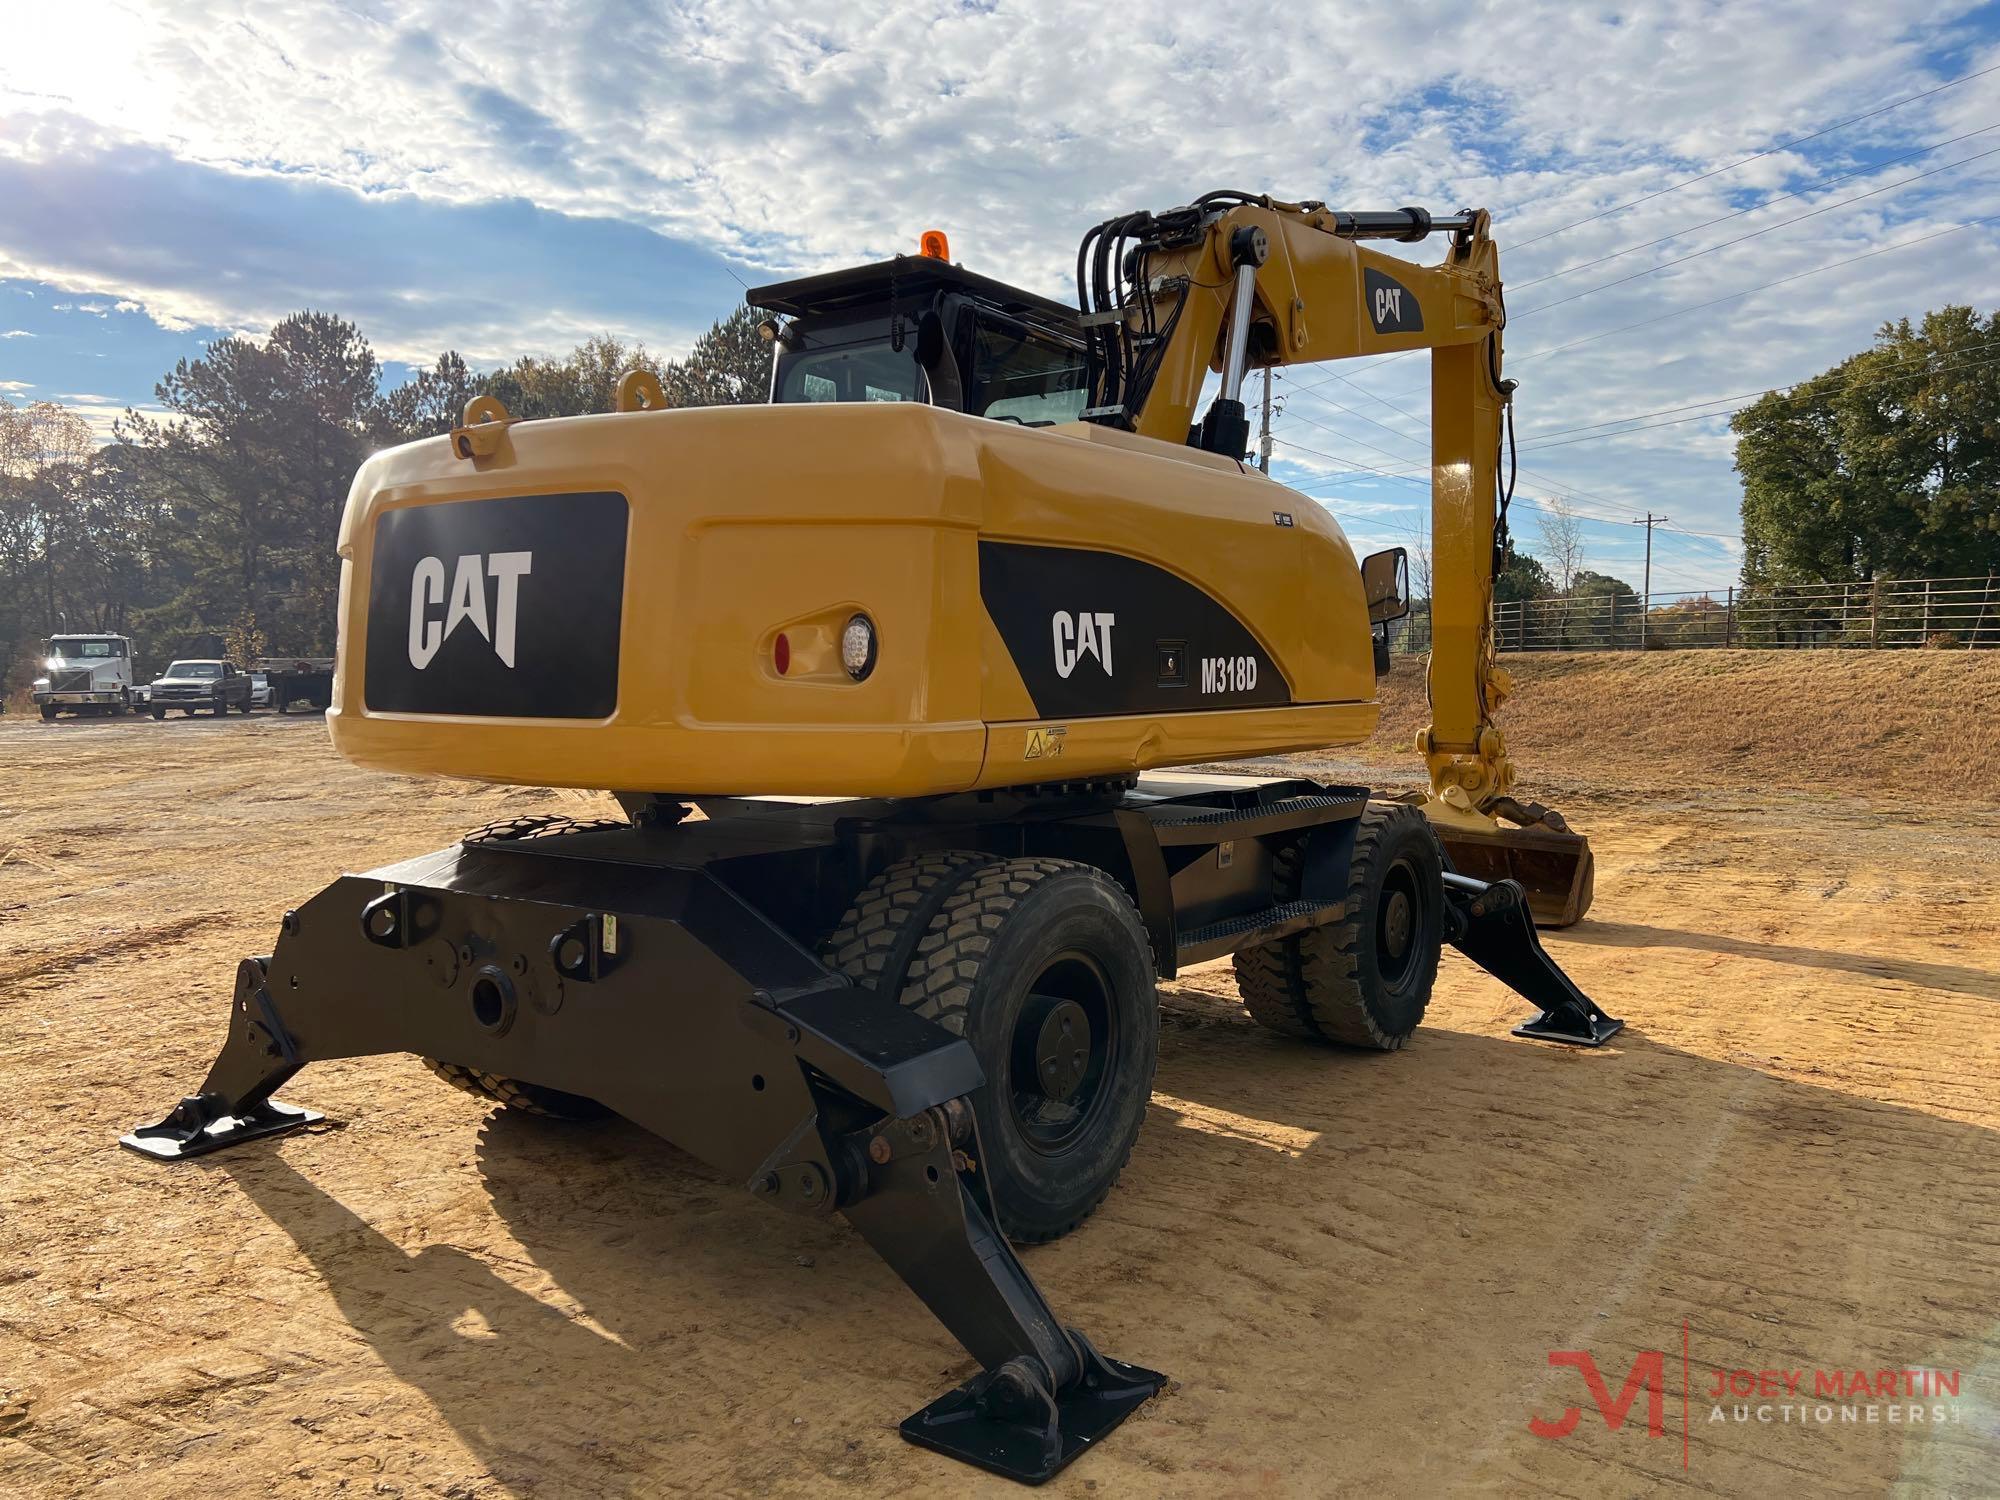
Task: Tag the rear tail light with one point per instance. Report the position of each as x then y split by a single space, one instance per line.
857 647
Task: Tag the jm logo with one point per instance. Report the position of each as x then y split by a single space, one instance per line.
1081 636
1648 1374
1388 305
468 602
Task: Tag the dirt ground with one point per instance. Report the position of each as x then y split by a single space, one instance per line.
1355 1267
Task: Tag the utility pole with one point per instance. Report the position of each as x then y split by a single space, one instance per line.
1264 433
1646 594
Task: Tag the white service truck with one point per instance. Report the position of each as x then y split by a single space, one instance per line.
87 674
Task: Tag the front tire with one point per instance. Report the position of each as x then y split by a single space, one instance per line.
159 713
48 713
1044 966
1364 980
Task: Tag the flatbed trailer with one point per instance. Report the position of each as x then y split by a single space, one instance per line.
295 679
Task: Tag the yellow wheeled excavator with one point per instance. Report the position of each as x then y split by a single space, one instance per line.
884 675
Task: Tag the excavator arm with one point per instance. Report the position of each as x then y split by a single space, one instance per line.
1234 282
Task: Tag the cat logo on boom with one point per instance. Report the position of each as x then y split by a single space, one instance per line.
1392 307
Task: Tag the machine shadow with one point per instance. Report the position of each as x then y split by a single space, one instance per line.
1982 984
1263 1197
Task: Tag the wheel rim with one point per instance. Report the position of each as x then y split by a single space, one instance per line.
1060 1058
1398 924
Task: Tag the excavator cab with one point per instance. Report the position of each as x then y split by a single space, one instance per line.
918 328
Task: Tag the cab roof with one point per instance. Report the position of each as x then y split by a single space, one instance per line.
911 275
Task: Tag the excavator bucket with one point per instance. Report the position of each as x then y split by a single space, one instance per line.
1552 865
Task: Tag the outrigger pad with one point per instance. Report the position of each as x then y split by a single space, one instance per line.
1498 933
201 1123
1010 1422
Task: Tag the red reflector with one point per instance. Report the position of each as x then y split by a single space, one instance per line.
934 245
781 654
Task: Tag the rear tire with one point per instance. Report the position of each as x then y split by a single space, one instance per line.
48 713
1365 979
528 1098
1044 966
159 713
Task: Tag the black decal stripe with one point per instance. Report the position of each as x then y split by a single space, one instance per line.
567 607
1392 307
1159 632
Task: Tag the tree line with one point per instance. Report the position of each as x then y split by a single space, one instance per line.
210 530
1885 466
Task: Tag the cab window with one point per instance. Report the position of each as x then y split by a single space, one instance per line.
1020 376
865 372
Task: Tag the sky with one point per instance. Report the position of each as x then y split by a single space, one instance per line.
513 177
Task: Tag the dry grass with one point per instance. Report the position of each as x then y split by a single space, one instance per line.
1869 723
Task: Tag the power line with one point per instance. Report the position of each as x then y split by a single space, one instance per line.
1703 177
1762 287
1828 208
1775 390
1702 536
1345 437
1557 485
1754 156
1362 416
1819 186
1908 363
1732 410
1753 235
1423 484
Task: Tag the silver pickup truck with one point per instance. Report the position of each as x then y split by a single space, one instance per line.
192 685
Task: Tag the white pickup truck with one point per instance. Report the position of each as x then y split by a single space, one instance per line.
87 674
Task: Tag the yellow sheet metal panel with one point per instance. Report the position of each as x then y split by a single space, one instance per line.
740 524
1076 749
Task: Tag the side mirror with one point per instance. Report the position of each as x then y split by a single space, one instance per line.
1385 580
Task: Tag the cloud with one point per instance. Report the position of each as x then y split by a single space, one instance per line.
16 333
233 251
440 179
16 385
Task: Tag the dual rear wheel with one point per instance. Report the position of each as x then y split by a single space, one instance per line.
1365 978
1044 966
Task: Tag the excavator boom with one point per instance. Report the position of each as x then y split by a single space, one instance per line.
1235 282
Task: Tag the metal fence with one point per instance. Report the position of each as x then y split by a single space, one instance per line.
1940 613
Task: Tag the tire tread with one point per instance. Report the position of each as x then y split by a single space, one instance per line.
1305 986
